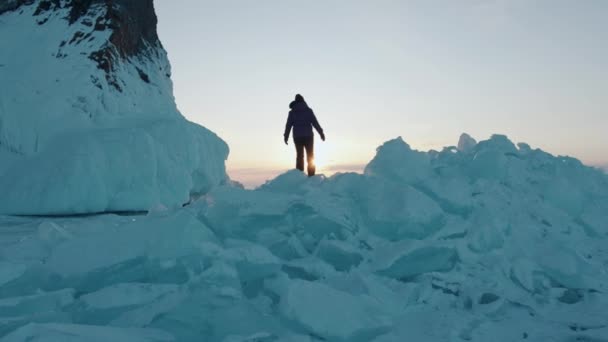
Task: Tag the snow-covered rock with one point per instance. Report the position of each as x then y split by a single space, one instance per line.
466 143
407 262
52 332
88 121
333 314
126 295
395 160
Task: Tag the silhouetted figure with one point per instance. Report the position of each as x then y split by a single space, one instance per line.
303 119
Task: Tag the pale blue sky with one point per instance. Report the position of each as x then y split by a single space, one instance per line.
374 70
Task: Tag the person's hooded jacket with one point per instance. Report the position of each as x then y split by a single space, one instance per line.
302 119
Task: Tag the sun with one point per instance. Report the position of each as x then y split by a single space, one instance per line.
324 157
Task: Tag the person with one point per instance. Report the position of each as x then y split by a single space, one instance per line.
302 119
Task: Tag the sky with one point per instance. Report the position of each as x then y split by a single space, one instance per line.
428 70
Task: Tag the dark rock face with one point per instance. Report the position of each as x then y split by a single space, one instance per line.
132 23
135 26
11 5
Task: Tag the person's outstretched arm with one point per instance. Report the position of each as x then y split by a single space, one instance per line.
316 125
288 127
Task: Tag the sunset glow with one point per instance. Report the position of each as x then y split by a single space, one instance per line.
426 71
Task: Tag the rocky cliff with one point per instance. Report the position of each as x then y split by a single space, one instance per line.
88 121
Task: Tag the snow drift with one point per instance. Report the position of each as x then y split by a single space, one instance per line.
88 122
489 242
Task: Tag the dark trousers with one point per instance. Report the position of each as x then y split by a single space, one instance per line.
305 143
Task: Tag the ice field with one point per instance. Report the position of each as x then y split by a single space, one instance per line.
118 221
481 242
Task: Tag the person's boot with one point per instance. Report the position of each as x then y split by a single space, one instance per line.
311 171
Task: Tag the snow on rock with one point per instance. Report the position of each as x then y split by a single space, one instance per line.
410 262
126 295
399 211
10 271
341 255
135 240
396 160
52 332
88 121
252 261
502 239
466 143
40 307
331 313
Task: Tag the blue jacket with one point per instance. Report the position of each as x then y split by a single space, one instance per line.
302 119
